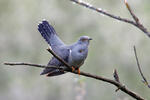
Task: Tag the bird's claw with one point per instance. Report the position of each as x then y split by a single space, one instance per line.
78 71
73 70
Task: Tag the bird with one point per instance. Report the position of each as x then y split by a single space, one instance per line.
74 54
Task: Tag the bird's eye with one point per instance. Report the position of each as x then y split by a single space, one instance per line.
80 50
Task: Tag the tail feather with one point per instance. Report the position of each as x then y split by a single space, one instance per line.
52 72
55 73
46 71
46 30
49 34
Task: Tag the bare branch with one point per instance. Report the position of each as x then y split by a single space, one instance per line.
87 5
99 10
139 68
132 14
29 64
136 19
117 84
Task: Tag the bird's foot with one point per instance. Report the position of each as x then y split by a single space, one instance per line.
73 69
78 71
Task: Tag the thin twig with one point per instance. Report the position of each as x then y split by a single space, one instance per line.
117 84
139 68
99 10
87 5
131 12
136 19
116 76
29 64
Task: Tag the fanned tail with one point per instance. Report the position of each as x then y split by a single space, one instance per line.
46 31
49 34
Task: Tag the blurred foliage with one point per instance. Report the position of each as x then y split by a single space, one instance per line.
112 47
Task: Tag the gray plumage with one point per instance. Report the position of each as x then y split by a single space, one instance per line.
74 54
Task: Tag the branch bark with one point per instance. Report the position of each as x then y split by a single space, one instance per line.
136 21
140 70
114 82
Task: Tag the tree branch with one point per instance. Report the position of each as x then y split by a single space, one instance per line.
139 68
29 64
136 19
117 84
99 10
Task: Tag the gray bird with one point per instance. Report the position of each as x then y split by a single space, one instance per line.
74 54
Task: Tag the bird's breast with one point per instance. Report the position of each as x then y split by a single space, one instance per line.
77 57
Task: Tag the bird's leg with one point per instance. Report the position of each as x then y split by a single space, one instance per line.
78 70
73 69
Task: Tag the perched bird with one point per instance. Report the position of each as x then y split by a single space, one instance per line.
74 54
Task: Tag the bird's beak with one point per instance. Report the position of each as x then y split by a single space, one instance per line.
90 39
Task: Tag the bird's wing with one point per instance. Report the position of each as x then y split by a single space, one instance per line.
52 62
49 34
64 54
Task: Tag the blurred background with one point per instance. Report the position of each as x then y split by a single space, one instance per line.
111 48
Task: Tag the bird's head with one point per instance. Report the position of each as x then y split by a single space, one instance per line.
84 40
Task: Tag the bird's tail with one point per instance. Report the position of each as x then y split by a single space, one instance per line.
46 30
52 72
